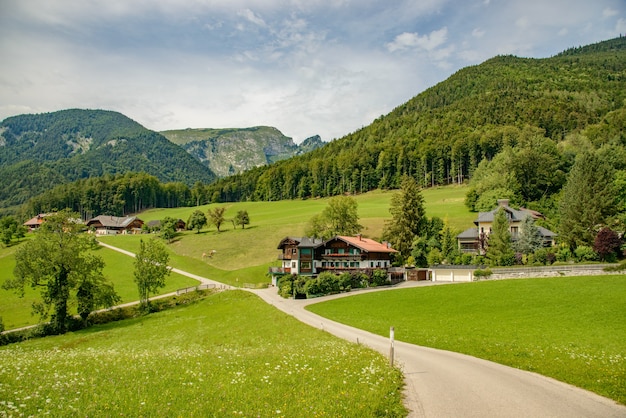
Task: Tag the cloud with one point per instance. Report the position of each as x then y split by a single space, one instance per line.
251 17
413 40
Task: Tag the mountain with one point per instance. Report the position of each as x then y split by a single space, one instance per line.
40 151
563 104
230 151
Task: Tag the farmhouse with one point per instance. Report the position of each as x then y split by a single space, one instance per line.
35 222
469 241
108 225
310 256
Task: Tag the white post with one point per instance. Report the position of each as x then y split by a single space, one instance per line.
391 349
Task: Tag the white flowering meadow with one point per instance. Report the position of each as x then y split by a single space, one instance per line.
228 355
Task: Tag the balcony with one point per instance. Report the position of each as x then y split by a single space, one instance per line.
342 257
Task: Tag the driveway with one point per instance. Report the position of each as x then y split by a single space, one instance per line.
446 384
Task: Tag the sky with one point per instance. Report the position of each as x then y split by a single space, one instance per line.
306 67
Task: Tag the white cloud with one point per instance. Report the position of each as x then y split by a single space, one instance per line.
428 42
306 67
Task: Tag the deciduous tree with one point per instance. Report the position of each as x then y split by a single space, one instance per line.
242 218
216 217
151 269
340 217
60 262
197 220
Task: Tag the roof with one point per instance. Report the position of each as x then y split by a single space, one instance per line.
546 232
113 221
366 244
471 233
301 242
35 221
515 215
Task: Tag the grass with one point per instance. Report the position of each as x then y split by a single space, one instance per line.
16 311
572 329
230 354
242 255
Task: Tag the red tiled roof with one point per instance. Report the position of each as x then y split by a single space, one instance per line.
367 244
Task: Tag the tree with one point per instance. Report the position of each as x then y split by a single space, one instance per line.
529 238
8 228
197 220
242 218
499 250
408 217
150 269
607 244
59 261
168 228
340 217
216 217
588 200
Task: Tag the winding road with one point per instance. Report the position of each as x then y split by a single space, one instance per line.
445 384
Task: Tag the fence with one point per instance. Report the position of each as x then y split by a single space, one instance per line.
194 288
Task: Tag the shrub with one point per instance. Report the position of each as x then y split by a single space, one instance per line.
607 244
482 273
563 255
379 278
466 259
584 253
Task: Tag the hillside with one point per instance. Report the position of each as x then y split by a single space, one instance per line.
40 151
572 101
230 151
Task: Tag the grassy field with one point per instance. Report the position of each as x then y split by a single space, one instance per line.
228 355
242 255
572 329
16 311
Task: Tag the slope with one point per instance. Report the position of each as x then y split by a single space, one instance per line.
441 135
40 151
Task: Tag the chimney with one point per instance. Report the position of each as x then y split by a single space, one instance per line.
359 236
503 202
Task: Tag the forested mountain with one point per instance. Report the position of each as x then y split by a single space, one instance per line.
231 151
40 151
539 113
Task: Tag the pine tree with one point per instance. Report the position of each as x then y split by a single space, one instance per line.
408 217
529 238
588 200
499 250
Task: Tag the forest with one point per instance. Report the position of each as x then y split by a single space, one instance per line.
39 152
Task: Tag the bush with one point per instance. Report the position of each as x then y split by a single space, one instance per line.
584 253
563 255
482 273
466 259
379 278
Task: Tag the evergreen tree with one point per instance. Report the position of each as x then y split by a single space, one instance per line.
529 238
588 200
499 250
408 217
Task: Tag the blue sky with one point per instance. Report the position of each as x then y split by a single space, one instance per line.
304 66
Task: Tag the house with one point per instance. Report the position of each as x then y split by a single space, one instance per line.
107 225
311 256
471 240
35 222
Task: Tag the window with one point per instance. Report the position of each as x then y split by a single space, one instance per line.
341 251
328 251
293 251
305 265
293 264
305 251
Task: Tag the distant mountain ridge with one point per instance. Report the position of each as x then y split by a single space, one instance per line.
230 151
40 151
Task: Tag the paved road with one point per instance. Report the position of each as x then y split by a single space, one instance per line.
446 384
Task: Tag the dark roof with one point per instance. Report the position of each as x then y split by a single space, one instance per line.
113 221
471 233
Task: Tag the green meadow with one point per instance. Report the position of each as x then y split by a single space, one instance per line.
570 328
230 354
241 255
